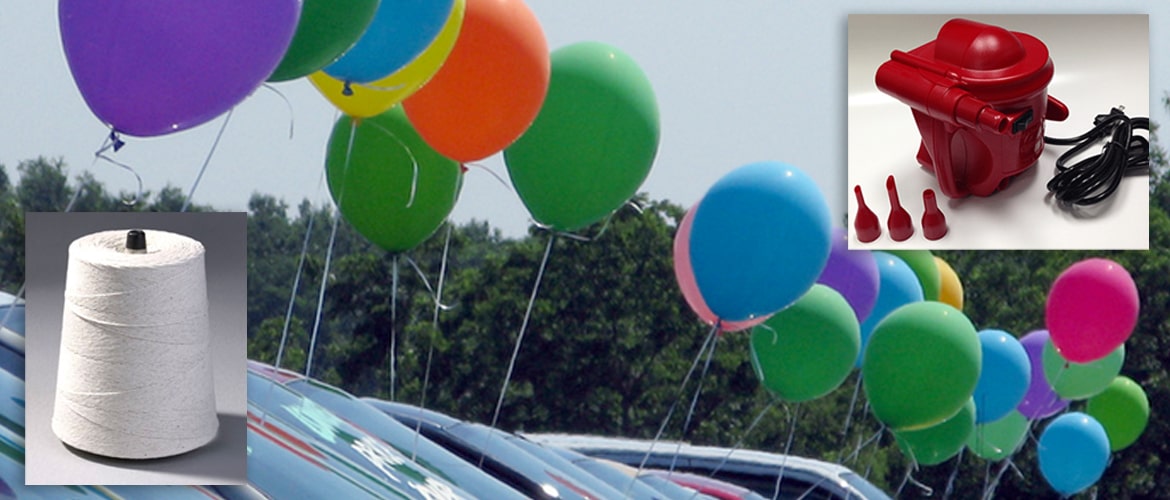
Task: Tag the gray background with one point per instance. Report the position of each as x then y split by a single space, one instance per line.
224 460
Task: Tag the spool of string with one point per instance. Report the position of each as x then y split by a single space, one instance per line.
134 378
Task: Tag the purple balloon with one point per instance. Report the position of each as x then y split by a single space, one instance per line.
150 67
853 274
1040 401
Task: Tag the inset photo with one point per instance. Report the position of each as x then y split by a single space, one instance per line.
136 332
998 131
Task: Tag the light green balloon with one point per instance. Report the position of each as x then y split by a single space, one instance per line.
806 350
935 445
921 365
391 186
1123 409
593 142
925 268
999 439
1080 380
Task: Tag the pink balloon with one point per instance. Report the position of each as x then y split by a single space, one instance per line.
690 289
1092 308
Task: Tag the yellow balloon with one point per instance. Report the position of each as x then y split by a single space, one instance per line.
951 291
372 99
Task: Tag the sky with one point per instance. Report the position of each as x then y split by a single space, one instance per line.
736 83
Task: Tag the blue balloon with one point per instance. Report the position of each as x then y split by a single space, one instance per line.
1073 452
1004 378
897 286
759 240
399 32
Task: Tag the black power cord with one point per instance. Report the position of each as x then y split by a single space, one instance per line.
1095 178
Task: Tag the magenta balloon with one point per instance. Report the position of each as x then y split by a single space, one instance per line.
853 274
690 289
1040 400
1092 308
150 67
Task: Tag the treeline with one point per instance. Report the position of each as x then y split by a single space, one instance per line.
610 336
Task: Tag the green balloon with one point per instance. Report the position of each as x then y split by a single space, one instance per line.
806 350
937 444
925 268
921 365
1080 380
593 142
1123 409
325 30
999 439
374 191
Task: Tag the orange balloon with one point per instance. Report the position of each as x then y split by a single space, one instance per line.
491 87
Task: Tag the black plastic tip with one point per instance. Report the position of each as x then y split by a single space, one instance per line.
136 240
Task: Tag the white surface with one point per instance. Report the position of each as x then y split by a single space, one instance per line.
1100 62
134 379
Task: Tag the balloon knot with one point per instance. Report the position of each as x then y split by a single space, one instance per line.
116 141
346 90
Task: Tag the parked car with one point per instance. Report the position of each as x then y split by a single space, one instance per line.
476 441
627 479
755 470
708 485
311 429
362 415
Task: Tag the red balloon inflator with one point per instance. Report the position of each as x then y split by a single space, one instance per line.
979 95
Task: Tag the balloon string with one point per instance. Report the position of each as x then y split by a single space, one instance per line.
206 161
519 340
792 421
393 321
288 104
321 293
377 88
852 405
426 283
909 479
493 174
422 403
329 252
581 237
989 492
694 402
128 168
954 473
296 283
410 154
673 405
740 442
856 454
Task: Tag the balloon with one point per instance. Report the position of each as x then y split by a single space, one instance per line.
593 142
1004 377
491 87
937 444
399 32
1080 381
999 439
1040 400
921 365
148 68
950 289
686 280
897 287
1092 308
925 269
760 239
325 30
807 350
1123 410
375 186
1073 452
377 97
853 273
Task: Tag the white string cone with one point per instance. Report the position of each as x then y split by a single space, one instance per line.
134 379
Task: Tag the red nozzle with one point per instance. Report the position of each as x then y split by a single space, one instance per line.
934 223
866 224
899 223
